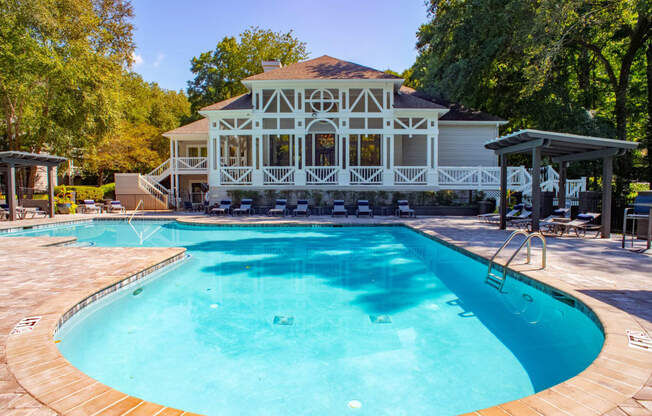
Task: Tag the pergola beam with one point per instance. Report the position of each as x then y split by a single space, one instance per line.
520 147
607 175
11 191
595 154
536 188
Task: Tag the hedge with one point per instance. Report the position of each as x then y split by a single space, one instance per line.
83 192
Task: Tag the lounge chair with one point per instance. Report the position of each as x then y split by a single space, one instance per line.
187 206
403 208
33 212
363 209
552 221
494 218
583 223
116 206
339 208
279 209
522 219
245 207
302 208
223 209
89 207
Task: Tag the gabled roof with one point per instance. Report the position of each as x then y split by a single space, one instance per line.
196 127
407 97
324 67
240 102
457 112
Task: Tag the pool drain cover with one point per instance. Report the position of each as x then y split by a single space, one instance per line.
380 319
283 320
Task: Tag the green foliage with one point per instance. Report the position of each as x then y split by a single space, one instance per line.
571 66
218 73
81 192
108 190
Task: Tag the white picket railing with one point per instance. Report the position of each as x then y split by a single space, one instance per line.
321 175
278 175
191 163
236 175
160 172
411 175
154 188
366 175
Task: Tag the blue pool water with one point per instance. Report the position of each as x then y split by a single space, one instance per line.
304 321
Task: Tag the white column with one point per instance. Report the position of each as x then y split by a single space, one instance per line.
347 152
254 152
218 159
303 152
388 153
257 161
429 152
392 150
343 174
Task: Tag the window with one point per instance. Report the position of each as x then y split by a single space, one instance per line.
197 151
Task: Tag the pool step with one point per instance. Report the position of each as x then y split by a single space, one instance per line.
495 281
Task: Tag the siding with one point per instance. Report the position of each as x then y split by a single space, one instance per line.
464 146
415 150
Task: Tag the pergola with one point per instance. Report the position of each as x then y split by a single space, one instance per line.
562 148
12 160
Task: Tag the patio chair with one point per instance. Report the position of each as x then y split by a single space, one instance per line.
302 208
522 219
363 209
279 209
116 206
34 212
4 213
89 207
403 208
223 209
640 211
339 208
244 208
583 223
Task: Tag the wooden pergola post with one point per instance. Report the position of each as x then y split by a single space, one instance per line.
607 175
51 178
503 192
536 187
561 192
11 191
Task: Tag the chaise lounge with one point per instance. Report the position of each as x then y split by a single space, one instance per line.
364 209
302 208
279 209
244 208
403 208
339 208
223 209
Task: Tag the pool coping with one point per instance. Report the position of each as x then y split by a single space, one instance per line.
614 377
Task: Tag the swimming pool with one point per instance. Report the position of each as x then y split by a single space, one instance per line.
303 320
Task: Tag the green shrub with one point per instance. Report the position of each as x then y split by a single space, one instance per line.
108 190
82 192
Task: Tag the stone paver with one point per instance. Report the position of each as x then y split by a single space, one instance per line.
615 283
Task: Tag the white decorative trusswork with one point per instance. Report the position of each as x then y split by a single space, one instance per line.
366 175
236 176
278 175
415 175
25 325
639 340
321 175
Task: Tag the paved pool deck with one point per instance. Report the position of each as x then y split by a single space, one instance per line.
42 277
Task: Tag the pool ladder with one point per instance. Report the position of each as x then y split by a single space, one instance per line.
497 281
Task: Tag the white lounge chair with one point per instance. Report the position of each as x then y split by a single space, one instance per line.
339 208
116 206
244 208
223 209
493 217
302 208
89 207
403 208
363 209
552 221
279 209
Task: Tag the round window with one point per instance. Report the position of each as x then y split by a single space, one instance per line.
321 101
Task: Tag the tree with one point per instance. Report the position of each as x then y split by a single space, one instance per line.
218 73
572 66
59 65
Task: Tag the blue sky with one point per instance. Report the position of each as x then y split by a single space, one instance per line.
376 33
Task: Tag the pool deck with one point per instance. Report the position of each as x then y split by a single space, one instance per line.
42 277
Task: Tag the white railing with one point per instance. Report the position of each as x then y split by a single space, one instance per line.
366 175
574 187
233 161
236 175
154 188
458 177
278 175
160 172
191 163
322 175
414 175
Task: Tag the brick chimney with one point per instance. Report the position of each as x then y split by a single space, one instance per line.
271 65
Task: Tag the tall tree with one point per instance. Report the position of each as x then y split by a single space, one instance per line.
218 72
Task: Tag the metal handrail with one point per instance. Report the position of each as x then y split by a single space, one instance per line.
135 211
528 241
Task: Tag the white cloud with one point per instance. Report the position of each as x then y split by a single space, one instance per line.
138 59
159 59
